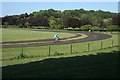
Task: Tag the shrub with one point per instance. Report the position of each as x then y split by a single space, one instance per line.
40 27
95 28
112 28
57 53
3 26
22 55
86 27
75 52
56 27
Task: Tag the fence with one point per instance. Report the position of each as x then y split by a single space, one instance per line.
55 50
89 47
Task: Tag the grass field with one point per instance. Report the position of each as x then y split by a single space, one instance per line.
43 51
96 63
102 65
38 58
28 34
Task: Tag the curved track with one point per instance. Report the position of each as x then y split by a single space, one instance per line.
29 43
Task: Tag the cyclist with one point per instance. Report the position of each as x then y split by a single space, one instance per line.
56 38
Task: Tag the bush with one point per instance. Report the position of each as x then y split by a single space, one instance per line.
22 55
9 26
112 28
86 27
56 27
57 53
75 52
0 26
95 28
40 27
3 26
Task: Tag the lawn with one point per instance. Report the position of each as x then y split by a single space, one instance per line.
81 63
55 50
101 65
27 34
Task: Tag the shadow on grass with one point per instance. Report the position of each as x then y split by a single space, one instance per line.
102 65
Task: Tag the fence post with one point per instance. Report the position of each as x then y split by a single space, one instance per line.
112 43
101 45
71 48
49 50
22 49
88 47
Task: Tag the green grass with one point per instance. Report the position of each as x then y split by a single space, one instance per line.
101 65
37 58
97 63
43 51
27 34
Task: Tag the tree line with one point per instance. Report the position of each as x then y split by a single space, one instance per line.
56 19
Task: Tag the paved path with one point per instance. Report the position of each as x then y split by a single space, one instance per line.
74 39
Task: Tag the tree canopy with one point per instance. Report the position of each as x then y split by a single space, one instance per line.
67 18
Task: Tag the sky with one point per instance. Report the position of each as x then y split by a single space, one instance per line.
16 8
60 0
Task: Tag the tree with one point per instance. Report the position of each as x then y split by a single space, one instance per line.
116 19
52 22
86 27
67 18
85 19
112 28
40 21
27 24
23 16
11 20
71 22
0 21
106 22
96 21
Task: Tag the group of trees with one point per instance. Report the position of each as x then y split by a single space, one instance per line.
25 20
56 19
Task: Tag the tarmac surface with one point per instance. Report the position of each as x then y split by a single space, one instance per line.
29 43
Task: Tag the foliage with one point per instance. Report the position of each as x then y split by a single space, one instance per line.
56 27
40 21
68 18
86 19
86 27
113 28
95 28
116 19
22 55
72 22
